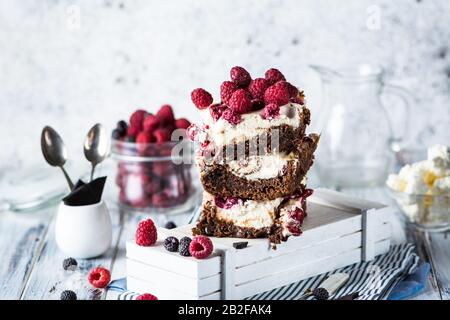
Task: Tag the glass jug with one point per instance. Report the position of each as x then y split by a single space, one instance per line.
357 144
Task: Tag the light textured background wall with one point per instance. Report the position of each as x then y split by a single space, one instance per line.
73 63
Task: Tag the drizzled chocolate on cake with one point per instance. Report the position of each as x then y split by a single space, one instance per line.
253 158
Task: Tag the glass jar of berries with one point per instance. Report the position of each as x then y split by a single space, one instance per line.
154 171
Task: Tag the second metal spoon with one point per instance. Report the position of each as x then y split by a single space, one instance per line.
96 146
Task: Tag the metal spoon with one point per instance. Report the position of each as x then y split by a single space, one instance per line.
54 151
96 146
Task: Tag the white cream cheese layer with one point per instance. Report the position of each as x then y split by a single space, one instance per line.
260 167
250 213
252 124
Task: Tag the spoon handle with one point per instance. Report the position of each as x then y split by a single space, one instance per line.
92 171
67 178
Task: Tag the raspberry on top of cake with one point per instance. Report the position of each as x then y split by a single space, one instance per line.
248 107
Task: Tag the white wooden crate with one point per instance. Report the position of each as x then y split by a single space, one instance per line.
339 231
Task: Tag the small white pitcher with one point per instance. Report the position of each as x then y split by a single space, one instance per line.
83 231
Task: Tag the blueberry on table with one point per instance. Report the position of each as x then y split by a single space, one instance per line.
170 225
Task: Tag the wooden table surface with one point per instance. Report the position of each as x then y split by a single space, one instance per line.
31 264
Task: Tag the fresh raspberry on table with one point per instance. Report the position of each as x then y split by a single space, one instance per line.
162 135
257 87
144 137
231 116
270 111
146 296
273 76
200 247
137 118
133 131
165 114
278 94
151 122
182 123
146 233
240 76
99 277
226 90
240 101
201 98
216 111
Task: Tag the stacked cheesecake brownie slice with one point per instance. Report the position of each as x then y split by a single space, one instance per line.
253 158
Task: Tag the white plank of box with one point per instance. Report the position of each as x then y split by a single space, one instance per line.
339 231
166 292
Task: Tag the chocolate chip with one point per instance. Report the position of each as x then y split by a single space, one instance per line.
240 245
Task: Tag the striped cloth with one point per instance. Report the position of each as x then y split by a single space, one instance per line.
374 279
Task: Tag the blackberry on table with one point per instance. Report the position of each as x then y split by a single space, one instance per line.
68 295
171 244
184 246
70 264
321 294
170 225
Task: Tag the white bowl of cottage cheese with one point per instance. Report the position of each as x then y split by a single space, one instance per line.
422 190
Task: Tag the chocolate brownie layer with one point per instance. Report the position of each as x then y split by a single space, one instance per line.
210 225
218 180
283 138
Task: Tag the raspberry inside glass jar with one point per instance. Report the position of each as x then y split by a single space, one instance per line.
149 176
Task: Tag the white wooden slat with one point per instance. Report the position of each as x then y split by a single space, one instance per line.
255 253
304 255
315 232
164 293
21 239
368 246
164 278
228 275
305 271
157 256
